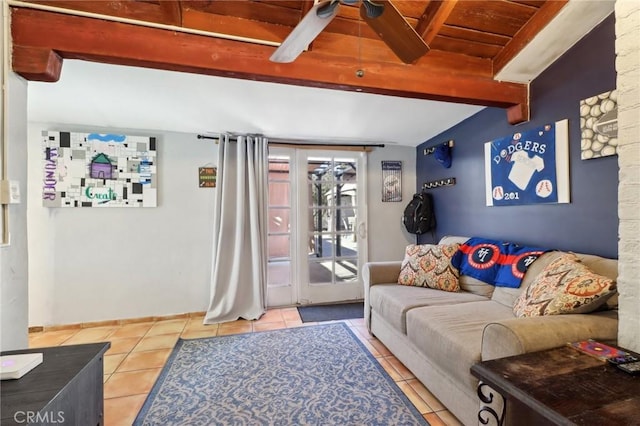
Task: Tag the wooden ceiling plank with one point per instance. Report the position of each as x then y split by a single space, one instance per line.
272 13
474 36
544 15
99 40
433 18
291 4
374 50
233 25
347 26
532 3
172 10
473 49
491 16
122 8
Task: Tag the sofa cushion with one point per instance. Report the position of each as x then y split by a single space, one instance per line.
429 265
507 296
565 286
452 338
475 286
599 265
392 301
602 266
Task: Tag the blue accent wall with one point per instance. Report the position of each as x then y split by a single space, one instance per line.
589 223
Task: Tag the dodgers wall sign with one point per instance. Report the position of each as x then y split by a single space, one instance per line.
530 167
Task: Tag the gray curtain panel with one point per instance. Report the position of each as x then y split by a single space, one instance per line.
239 274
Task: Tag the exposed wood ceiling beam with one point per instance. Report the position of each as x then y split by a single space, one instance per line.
76 37
37 64
434 17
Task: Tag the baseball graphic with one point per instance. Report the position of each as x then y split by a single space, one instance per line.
498 193
391 183
599 122
391 188
544 188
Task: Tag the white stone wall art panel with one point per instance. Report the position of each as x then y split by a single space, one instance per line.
98 170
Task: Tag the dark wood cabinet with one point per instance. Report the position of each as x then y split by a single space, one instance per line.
66 389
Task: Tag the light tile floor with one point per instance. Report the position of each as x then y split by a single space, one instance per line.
139 351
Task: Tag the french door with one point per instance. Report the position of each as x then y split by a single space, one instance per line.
317 226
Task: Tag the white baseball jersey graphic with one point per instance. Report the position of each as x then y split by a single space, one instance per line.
523 168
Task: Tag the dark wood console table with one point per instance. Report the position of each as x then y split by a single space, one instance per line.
66 389
561 387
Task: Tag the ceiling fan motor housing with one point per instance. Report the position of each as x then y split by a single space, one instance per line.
327 10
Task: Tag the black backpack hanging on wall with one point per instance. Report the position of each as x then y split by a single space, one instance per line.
418 216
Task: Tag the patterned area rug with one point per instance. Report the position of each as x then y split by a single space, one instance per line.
316 375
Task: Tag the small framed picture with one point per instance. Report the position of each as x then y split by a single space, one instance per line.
207 177
391 181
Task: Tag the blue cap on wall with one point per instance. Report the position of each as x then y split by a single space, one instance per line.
443 155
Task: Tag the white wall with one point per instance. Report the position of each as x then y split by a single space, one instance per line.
387 236
628 68
94 264
13 258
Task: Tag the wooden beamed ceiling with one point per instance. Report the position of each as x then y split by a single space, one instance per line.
470 41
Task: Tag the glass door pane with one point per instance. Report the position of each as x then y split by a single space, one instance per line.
279 236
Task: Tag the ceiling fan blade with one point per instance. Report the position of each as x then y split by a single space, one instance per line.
383 17
306 31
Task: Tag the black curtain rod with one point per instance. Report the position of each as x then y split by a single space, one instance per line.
276 141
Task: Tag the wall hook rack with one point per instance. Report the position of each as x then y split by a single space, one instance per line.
439 182
432 149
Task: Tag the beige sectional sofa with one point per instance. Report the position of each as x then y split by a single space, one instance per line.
439 335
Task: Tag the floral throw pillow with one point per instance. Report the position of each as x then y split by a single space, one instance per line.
565 286
429 265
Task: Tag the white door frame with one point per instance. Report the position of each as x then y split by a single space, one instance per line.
299 290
